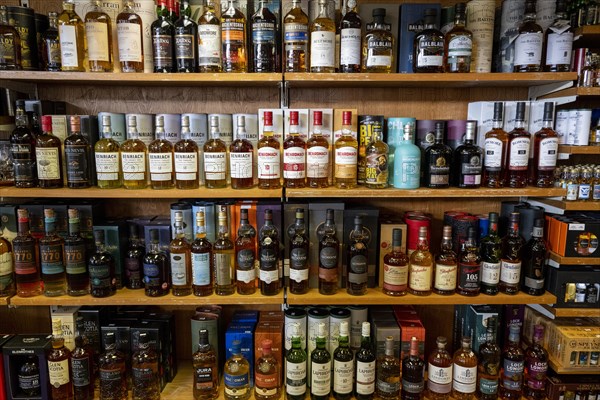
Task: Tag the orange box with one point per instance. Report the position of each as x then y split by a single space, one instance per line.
272 330
271 316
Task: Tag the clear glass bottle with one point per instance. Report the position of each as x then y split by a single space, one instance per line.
469 266
545 151
160 159
378 46
233 31
357 256
346 155
27 257
376 166
264 48
78 281
468 160
395 268
439 371
388 373
215 157
529 42
145 378
186 159
343 366
464 371
536 366
407 161
299 250
512 368
162 32
294 156
133 158
559 41
458 43
59 365
241 158
237 374
512 256
51 54
428 49
491 254
52 257
364 388
495 149
101 265
269 156
420 269
267 374
202 260
98 33
108 160
113 371
295 39
446 265
156 269
437 161
180 252
223 258
11 54
329 249
488 368
77 156
268 256
245 255
350 39
413 373
295 367
209 36
320 367
206 370
317 155
48 155
186 40
130 39
322 41
71 33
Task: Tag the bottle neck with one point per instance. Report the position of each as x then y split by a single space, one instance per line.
223 232
74 227
268 131
514 229
154 247
365 342
23 228
422 244
215 134
493 230
447 245
179 234
53 22
132 133
296 343
106 132
160 133
100 248
323 11
3 17
50 227
460 20
21 119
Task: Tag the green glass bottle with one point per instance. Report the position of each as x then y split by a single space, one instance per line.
320 368
295 367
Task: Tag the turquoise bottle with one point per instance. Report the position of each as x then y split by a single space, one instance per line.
407 161
395 133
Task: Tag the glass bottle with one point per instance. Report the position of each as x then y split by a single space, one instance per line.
329 249
295 367
186 42
245 255
160 159
145 378
357 256
458 43
59 365
467 160
29 377
512 368
413 373
82 364
98 33
512 256
48 155
26 254
202 260
535 254
529 42
376 167
420 267
71 33
428 49
106 152
22 149
209 37
181 260
206 370
51 54
559 41
77 156
439 371
545 151
263 28
469 266
233 38
495 148
215 157
162 31
295 39
223 258
346 155
130 39
446 265
7 283
156 269
322 41
378 46
464 371
388 373
134 259
237 374
101 266
350 39
395 268
489 363
299 250
437 161
364 389
343 366
113 371
268 253
267 374
269 156
407 161
536 367
78 281
294 156
241 158
11 54
52 257
317 155
491 255
133 158
320 367
186 159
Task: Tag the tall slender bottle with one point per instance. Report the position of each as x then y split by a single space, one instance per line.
269 156
82 364
413 373
130 39
439 371
558 41
420 270
388 373
71 33
267 374
206 370
299 250
329 249
545 151
317 155
101 266
133 158
134 260
108 161
494 149
181 260
295 367
51 54
294 156
518 150
346 156
491 255
202 259
98 32
77 156
467 160
223 258
78 282
529 42
295 39
350 40
536 366
59 365
512 257
264 48
48 155
512 368
320 367
209 37
395 268
113 371
215 157
268 253
364 389
357 256
26 253
322 41
162 32
233 37
245 255
489 363
535 254
469 266
241 158
52 257
145 378
237 374
464 371
156 269
407 161
186 40
446 265
343 366
160 158
186 159
22 150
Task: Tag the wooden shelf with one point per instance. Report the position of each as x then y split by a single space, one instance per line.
572 312
377 297
441 80
568 205
587 31
137 297
566 149
121 193
572 371
573 91
558 259
363 192
4 300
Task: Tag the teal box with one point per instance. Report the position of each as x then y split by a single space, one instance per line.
476 322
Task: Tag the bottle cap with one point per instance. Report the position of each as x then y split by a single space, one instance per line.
73 214
344 328
471 233
447 232
513 332
236 347
548 111
143 340
132 121
299 213
414 346
358 220
396 236
57 327
466 341
160 121
491 324
515 217
243 213
321 330
266 345
498 110
538 223
440 127
379 12
471 130
47 123
441 342
493 217
330 214
222 218
317 118
203 337
520 115
366 329
268 215
538 332
241 121
459 8
200 218
268 118
214 121
106 120
22 215
422 232
49 215
109 340
295 329
75 122
133 230
178 216
347 118
293 117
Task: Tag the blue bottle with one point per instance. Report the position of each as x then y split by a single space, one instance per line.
395 127
407 161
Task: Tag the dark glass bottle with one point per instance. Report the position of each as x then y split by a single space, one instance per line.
545 151
52 257
518 150
29 377
113 370
202 267
343 366
357 256
82 364
320 367
329 249
22 148
206 370
77 156
467 160
10 58
78 280
134 260
156 269
488 368
428 48
469 266
299 247
48 155
439 372
529 42
350 40
268 250
245 255
185 40
413 373
51 44
534 261
59 365
263 27
511 370
163 32
267 373
437 161
145 378
495 147
458 43
512 256
364 389
558 41
491 254
27 259
536 367
101 266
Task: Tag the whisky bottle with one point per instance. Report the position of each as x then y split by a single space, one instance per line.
446 265
78 280
535 254
299 248
223 258
378 45
186 32
329 249
320 367
156 269
134 259
186 159
495 148
82 364
407 161
350 39
26 253
428 48
267 374
202 258
536 367
28 378
295 39
130 39
346 155
512 367
215 157
439 371
206 370
395 268
294 156
322 41
22 150
458 43
388 373
467 160
181 260
263 28
364 389
357 256
295 367
101 266
559 41
71 33
437 161
10 58
52 257
133 158
268 253
108 168
233 38
317 155
518 150
59 365
245 250
376 162
512 256
269 156
413 373
48 157
98 32
113 370
163 38
529 42
491 254
236 374
51 54
420 267
209 39
464 371
545 151
145 378
77 156
160 159
469 266
7 283
241 155
343 366
489 364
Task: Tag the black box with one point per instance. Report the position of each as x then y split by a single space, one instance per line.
155 335
370 225
167 320
15 352
93 319
3 339
8 221
563 283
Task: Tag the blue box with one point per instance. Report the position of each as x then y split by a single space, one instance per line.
411 23
245 317
245 334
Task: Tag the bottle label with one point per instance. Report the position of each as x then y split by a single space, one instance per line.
6 269
97 41
413 387
80 368
7 50
209 45
266 385
58 372
379 61
320 378
513 374
519 154
439 379
376 170
269 276
298 258
317 162
110 375
350 46
419 277
471 170
469 276
358 269
223 269
162 46
236 381
493 154
107 166
322 49
246 276
75 262
25 261
295 36
233 36
584 191
365 377
558 48
299 275
152 275
395 278
134 166
343 373
76 159
215 166
48 165
464 379
263 32
203 378
459 46
161 166
130 42
445 277
241 165
143 376
572 190
269 160
548 153
430 53
295 378
528 48
388 388
100 276
328 262
68 46
345 162
510 272
409 172
186 166
178 269
294 159
132 269
379 53
490 273
488 386
51 257
439 170
29 381
537 374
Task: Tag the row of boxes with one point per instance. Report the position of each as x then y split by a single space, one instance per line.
574 234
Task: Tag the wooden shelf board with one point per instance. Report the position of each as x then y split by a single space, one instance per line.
570 205
137 297
588 30
363 192
566 149
574 260
573 91
4 300
572 371
377 297
121 193
572 312
441 80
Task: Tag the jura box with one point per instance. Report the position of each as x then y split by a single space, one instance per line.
15 352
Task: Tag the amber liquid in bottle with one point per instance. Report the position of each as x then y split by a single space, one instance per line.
223 259
113 370
545 151
512 368
181 260
458 43
494 149
26 254
446 266
317 155
395 268
202 260
133 158
241 155
439 372
48 154
269 156
78 281
413 373
52 257
420 267
294 156
346 156
233 34
245 256
11 56
295 26
518 151
145 378
186 159
98 30
130 38
215 157
59 365
160 158
77 156
464 372
206 370
489 364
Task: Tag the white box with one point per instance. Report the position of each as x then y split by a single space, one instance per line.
510 113
67 316
277 123
483 113
303 126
